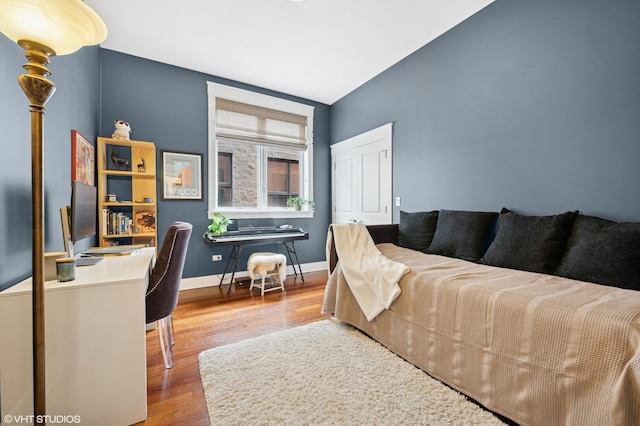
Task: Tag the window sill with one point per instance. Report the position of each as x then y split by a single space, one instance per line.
258 214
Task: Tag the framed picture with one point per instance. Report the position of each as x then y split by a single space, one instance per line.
82 159
145 221
181 176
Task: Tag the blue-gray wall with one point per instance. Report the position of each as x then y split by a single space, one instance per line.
75 105
529 105
168 106
533 105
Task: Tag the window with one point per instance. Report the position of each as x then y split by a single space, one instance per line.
282 181
260 151
225 188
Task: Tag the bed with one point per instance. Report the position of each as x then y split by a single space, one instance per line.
537 348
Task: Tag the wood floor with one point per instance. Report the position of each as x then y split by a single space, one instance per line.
207 318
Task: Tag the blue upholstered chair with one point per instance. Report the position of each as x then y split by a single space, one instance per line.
164 284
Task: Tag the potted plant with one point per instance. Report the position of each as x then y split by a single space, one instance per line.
218 225
298 202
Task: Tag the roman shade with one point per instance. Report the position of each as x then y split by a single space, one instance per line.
236 121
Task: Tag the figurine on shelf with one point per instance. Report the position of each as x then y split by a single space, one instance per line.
141 167
122 130
119 163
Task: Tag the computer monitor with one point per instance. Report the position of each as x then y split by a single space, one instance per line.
65 219
80 219
84 211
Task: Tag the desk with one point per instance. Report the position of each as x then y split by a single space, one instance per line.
95 344
238 242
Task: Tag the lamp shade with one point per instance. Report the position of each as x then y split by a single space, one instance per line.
61 25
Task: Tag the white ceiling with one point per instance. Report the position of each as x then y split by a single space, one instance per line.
316 49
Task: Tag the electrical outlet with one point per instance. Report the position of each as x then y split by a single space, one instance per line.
216 257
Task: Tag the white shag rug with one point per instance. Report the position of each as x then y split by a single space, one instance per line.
326 373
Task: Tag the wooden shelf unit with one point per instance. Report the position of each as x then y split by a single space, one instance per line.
131 183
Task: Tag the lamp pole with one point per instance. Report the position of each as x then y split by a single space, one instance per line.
44 28
39 90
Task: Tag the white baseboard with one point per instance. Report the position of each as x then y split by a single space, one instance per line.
214 280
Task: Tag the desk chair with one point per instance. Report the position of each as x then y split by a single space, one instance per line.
164 284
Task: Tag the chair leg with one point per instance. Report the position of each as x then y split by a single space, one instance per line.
281 287
172 332
262 293
164 332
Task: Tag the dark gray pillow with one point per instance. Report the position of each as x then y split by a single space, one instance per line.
530 243
416 230
462 234
603 252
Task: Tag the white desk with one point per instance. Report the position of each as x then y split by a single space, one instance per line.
95 350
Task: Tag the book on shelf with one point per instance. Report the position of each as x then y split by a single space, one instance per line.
105 223
116 223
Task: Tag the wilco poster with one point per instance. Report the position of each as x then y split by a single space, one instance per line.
181 176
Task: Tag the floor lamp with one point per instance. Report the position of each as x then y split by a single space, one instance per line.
44 28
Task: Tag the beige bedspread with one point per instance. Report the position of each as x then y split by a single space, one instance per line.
539 349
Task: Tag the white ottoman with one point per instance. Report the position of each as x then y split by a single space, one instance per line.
265 264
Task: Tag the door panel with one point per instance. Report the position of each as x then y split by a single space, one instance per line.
376 183
371 182
344 189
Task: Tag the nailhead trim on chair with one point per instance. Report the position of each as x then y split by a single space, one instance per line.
166 267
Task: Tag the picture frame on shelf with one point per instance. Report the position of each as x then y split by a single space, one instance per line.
82 159
181 175
145 221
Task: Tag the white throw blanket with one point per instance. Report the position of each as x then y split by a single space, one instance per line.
372 277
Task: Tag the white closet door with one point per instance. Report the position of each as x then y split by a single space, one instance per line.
344 188
362 177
